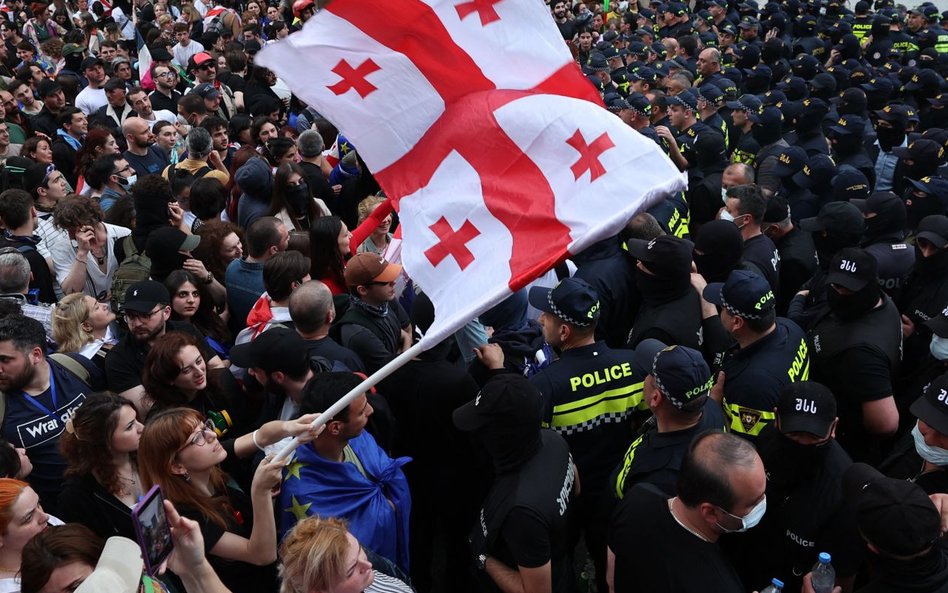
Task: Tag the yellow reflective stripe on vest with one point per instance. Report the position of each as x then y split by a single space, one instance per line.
739 156
613 401
627 466
747 420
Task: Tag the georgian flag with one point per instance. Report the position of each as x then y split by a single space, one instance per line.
476 121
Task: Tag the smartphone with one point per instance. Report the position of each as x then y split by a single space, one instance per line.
152 529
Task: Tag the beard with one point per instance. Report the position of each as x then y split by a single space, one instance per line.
16 383
143 334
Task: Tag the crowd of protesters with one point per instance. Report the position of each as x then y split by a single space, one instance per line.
195 264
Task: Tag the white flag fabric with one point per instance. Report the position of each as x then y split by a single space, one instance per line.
476 121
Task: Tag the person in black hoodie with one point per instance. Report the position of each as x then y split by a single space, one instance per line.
717 250
519 337
926 290
610 271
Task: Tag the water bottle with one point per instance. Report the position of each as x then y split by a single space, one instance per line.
823 577
775 586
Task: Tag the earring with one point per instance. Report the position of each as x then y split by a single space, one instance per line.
187 476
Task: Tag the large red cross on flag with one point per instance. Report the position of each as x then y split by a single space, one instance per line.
476 121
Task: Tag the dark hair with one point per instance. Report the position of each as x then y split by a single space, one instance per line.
238 124
57 546
192 103
324 248
763 323
122 213
26 333
705 474
88 448
262 235
205 318
65 116
281 271
75 211
212 123
279 202
325 389
179 180
101 169
752 200
276 149
9 459
161 369
257 125
236 60
86 155
15 207
208 198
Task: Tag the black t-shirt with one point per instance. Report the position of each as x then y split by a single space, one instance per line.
150 164
239 577
36 423
320 187
126 360
761 252
332 351
654 554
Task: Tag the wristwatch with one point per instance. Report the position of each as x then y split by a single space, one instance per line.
482 562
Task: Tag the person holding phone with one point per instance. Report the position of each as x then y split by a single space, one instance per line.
102 482
179 451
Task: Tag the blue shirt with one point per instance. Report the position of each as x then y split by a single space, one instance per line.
244 286
885 169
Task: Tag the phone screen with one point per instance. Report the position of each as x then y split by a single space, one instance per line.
152 529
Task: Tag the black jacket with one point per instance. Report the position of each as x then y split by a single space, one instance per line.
83 500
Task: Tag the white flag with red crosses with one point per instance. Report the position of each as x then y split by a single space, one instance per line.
476 121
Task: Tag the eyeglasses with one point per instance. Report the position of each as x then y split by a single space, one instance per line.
207 65
165 74
201 438
392 283
135 316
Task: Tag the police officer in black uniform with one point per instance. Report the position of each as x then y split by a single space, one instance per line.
523 523
855 351
885 239
768 353
744 148
655 456
807 513
798 260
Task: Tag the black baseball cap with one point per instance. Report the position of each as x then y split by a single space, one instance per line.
850 184
276 349
778 210
144 296
817 172
791 160
932 407
836 217
896 516
573 300
767 116
933 186
684 99
939 326
877 202
806 406
643 355
852 268
849 124
683 377
508 399
664 256
744 294
747 102
934 229
91 62
894 113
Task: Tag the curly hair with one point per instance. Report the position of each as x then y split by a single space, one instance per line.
91 149
75 211
161 369
208 250
88 448
166 433
205 318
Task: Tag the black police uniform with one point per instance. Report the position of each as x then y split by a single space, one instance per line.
860 161
806 514
745 150
524 519
812 142
924 296
650 547
673 215
686 139
655 457
895 259
716 122
755 376
761 251
677 321
798 263
856 360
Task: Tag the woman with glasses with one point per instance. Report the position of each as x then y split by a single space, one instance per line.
83 324
102 482
320 554
180 452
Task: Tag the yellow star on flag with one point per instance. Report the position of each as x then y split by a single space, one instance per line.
293 469
298 510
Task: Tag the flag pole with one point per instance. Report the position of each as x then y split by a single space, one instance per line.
370 382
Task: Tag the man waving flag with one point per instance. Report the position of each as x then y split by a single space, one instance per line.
478 124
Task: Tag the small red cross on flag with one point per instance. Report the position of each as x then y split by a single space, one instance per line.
354 78
589 155
484 9
452 243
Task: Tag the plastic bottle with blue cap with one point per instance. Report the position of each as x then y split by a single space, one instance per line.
823 577
775 586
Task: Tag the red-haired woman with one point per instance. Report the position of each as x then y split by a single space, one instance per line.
21 517
180 452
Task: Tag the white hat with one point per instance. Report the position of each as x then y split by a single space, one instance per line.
119 569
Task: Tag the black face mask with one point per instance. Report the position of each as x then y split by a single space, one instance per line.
853 306
298 198
827 246
918 208
788 461
933 266
765 135
848 144
890 137
656 290
509 449
714 268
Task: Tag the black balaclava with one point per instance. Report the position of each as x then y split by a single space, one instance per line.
766 135
853 306
720 245
889 221
847 144
889 138
509 447
827 245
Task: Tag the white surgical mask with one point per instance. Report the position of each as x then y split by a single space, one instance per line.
934 455
749 520
128 182
939 348
724 195
725 215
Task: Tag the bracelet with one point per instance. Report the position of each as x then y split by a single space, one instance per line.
254 437
210 278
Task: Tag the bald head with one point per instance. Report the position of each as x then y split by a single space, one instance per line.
138 134
311 309
709 62
723 470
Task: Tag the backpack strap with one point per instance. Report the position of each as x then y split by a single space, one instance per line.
73 366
